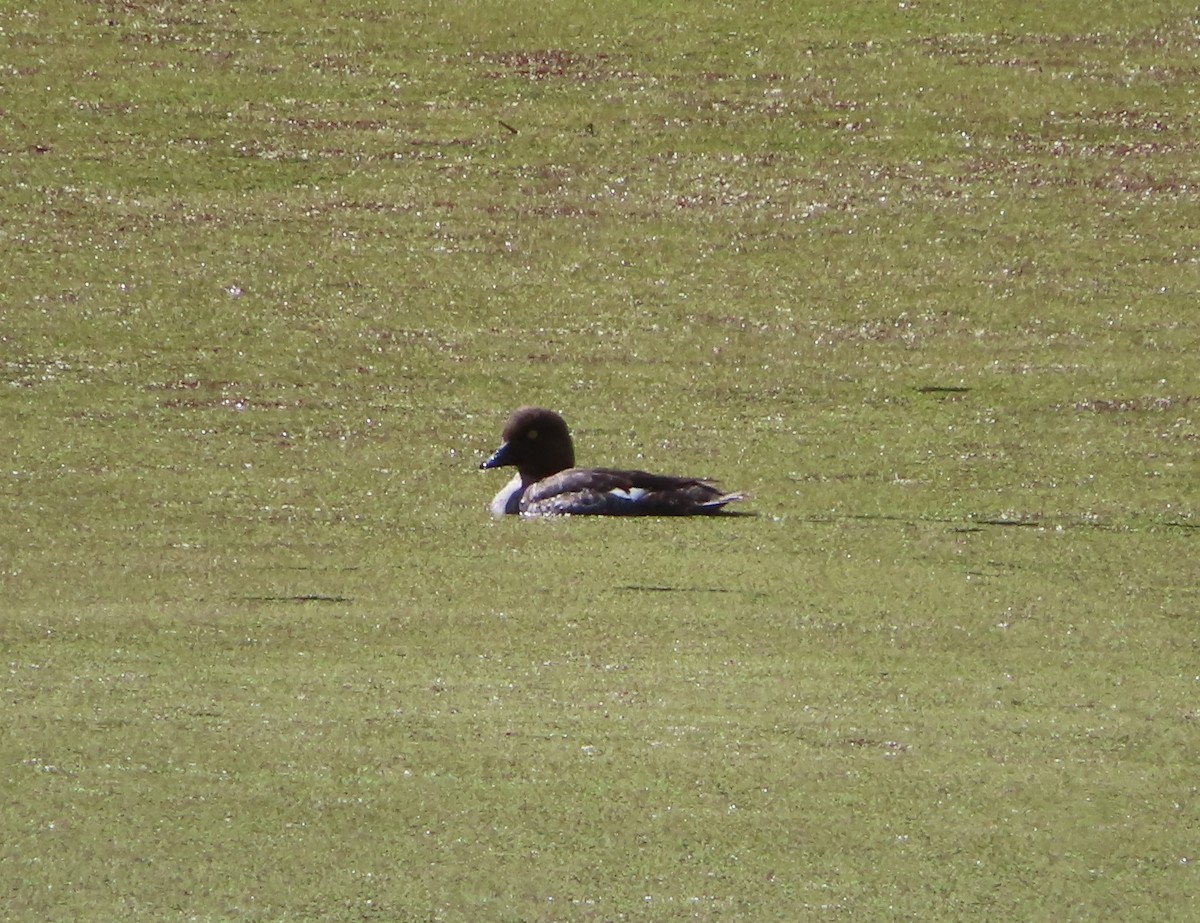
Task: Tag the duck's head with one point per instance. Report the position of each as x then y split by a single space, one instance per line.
536 442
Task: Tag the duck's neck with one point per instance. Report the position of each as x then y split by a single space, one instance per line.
561 461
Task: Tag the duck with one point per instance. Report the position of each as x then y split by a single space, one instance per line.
537 442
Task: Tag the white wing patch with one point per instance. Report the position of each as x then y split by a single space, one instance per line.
632 494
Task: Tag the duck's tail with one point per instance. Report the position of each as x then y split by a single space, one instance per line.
717 504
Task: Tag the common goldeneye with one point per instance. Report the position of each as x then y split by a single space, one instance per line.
538 444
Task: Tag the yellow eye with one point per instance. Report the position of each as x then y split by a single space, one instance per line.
532 434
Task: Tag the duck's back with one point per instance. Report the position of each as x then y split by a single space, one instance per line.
611 492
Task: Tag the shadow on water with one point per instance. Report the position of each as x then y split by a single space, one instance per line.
659 588
303 598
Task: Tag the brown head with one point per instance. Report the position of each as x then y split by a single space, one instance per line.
536 442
